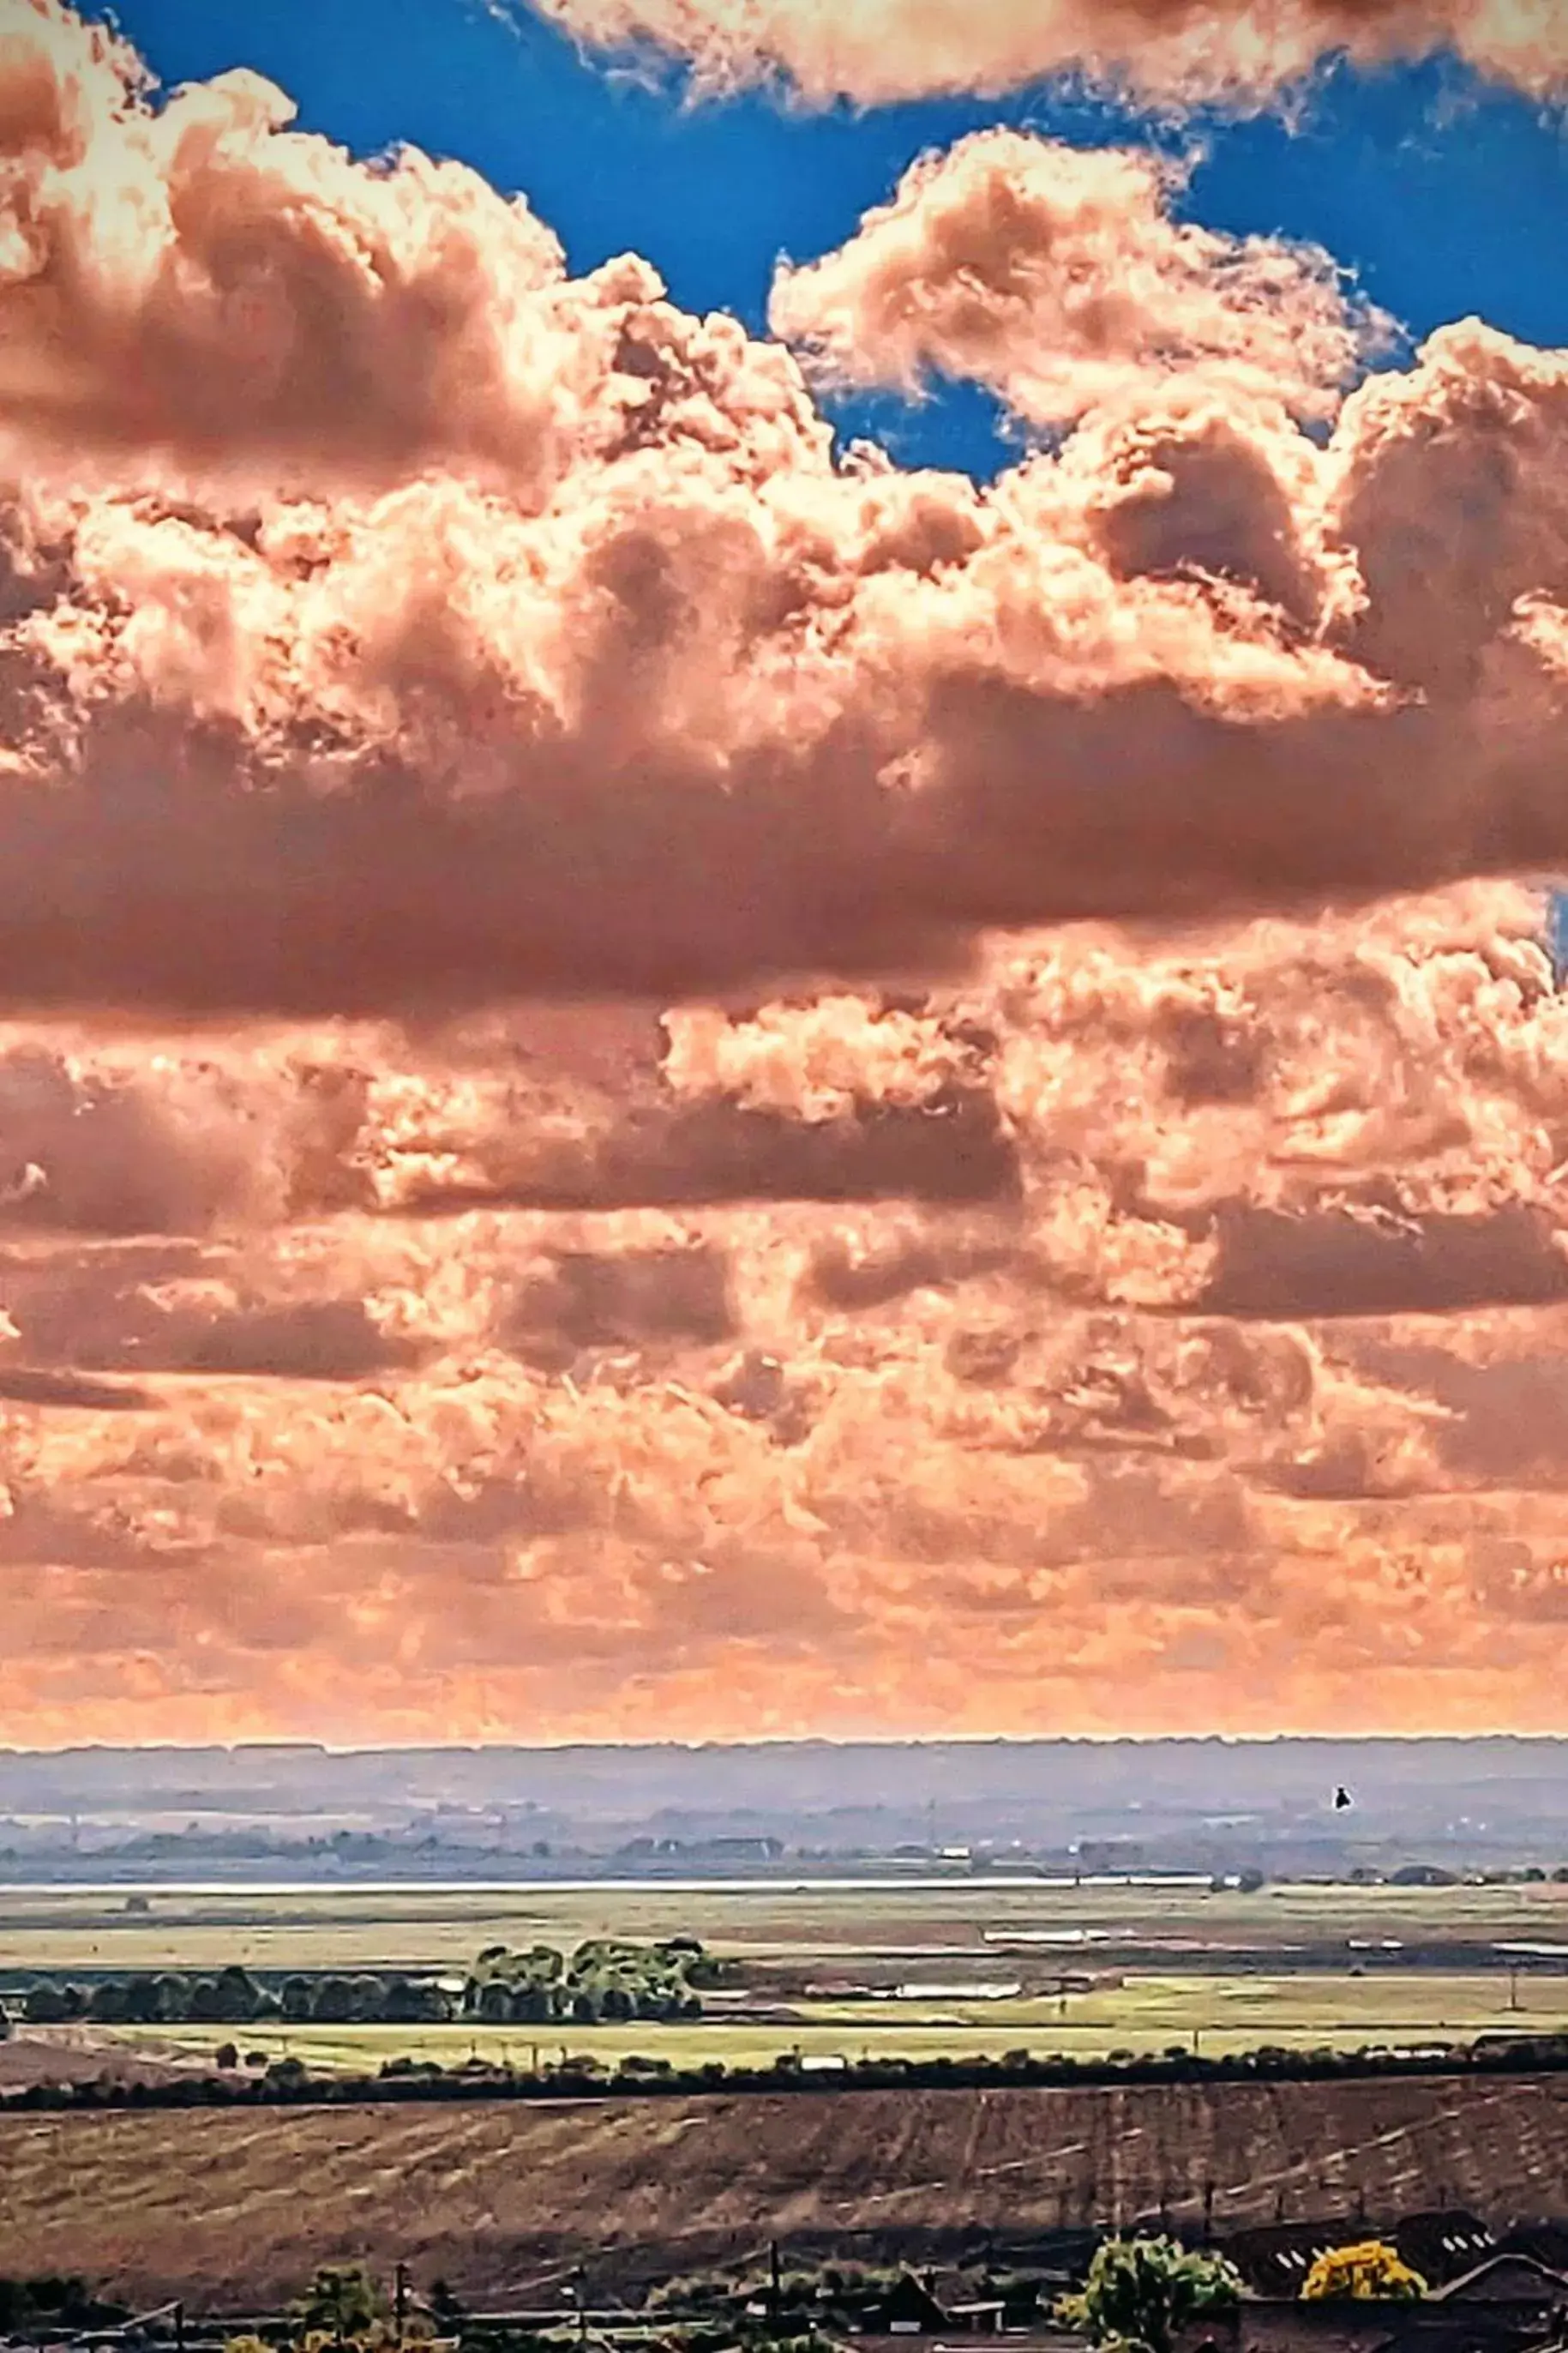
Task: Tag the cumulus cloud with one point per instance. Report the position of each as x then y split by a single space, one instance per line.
699 1182
1234 51
198 276
1058 277
470 620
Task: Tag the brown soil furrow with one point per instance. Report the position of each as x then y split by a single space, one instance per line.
236 2206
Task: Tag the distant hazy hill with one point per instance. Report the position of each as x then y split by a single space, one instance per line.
1162 1802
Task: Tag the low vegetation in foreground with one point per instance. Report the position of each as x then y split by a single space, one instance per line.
1135 2293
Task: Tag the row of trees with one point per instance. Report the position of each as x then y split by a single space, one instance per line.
603 1978
580 2075
233 1997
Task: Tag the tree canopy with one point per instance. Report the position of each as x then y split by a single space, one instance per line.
340 2303
606 1977
1140 2292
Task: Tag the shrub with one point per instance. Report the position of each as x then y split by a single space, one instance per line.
1370 2270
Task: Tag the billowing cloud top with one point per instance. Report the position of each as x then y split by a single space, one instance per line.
578 1145
467 620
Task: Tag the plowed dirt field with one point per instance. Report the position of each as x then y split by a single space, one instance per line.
235 2209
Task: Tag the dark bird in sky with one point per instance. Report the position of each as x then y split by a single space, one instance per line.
1341 1799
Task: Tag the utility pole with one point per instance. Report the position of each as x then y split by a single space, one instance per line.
775 2295
400 2300
179 2329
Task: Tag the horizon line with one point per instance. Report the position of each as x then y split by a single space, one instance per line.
785 1741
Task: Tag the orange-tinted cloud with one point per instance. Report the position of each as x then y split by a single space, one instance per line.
1236 51
470 620
1249 1363
873 1309
1058 277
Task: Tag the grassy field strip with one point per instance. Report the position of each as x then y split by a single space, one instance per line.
359 1928
1225 2013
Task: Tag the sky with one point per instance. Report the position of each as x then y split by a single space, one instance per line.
774 790
1444 194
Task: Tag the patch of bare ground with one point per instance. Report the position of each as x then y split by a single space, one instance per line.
234 2207
75 2054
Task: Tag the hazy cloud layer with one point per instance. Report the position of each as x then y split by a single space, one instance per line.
1253 1358
552 1171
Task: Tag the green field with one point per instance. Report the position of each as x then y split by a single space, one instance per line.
414 1927
1283 1966
1224 2013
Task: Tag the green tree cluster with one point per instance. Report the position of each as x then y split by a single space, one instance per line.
1141 2292
608 1978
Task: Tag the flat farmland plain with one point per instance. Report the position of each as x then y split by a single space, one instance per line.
234 2209
828 1925
1211 2012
